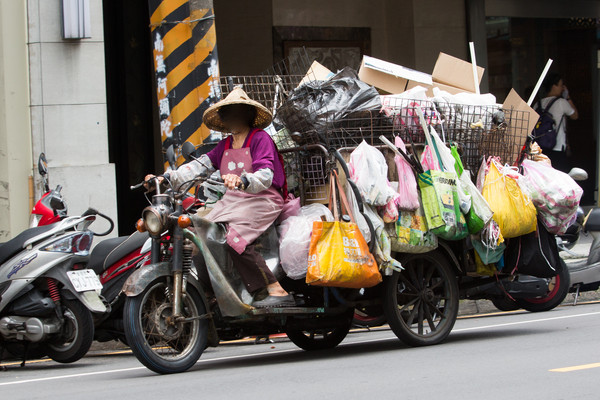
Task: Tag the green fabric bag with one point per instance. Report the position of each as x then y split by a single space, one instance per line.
439 196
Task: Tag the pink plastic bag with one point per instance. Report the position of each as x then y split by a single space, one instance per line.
408 198
429 160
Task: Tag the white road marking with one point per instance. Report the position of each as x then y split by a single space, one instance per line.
475 328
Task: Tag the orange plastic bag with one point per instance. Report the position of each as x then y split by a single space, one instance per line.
338 255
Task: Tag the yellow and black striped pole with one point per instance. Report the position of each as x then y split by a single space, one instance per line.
185 65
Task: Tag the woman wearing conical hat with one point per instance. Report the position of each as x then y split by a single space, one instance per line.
252 171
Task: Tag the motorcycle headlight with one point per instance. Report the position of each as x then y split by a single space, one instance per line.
154 221
78 243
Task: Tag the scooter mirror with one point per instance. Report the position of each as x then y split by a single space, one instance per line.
187 150
42 165
578 174
171 159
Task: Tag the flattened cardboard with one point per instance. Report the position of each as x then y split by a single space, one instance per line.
389 77
317 72
516 103
455 72
441 86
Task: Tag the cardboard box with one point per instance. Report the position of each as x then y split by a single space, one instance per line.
316 72
389 77
455 72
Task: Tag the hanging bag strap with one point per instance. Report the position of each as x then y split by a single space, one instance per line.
343 198
333 206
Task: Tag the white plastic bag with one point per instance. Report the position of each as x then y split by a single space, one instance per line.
358 217
368 169
294 239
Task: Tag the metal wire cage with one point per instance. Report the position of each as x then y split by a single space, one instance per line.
307 169
478 131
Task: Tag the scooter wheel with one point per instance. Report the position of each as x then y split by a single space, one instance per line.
77 334
559 288
165 346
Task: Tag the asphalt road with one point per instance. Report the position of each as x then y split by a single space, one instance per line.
519 355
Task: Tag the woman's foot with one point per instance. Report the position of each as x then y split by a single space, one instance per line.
275 301
277 297
276 290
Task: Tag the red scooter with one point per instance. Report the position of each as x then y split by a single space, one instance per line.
113 259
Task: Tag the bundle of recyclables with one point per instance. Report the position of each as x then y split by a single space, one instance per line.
459 180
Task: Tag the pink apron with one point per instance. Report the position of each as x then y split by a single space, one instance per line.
247 215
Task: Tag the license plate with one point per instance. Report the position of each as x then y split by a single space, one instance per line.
84 280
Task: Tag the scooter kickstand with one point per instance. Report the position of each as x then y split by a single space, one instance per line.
576 295
263 339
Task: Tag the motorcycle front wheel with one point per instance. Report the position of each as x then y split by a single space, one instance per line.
165 346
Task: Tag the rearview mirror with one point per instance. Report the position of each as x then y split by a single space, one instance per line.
578 174
42 165
171 159
187 150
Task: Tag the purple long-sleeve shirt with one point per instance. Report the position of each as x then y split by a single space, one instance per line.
263 151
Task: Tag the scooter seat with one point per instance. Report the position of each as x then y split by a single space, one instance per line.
592 222
109 251
12 247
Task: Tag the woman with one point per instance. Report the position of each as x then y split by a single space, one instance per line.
255 179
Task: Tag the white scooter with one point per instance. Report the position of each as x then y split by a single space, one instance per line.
584 273
47 294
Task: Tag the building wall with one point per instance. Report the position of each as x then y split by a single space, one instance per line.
68 108
407 32
15 137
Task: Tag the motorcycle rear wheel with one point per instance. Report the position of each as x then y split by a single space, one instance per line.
162 347
421 302
320 339
558 290
76 336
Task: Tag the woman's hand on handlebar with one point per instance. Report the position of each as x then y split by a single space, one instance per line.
231 181
149 180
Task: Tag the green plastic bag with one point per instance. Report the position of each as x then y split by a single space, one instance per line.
480 213
409 234
439 196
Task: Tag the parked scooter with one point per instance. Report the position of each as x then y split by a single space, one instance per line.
113 260
47 295
584 274
51 207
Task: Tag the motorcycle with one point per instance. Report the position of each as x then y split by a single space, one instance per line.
113 260
51 207
180 303
47 295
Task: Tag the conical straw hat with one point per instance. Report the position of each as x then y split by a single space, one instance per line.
237 96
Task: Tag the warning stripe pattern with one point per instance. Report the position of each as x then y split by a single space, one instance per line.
185 62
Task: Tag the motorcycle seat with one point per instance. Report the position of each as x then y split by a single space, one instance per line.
12 247
592 222
109 251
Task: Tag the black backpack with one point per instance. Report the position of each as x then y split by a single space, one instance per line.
545 130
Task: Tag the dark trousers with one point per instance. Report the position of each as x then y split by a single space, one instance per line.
559 160
252 268
250 265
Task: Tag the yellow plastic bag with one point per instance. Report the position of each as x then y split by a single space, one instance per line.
514 211
338 254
